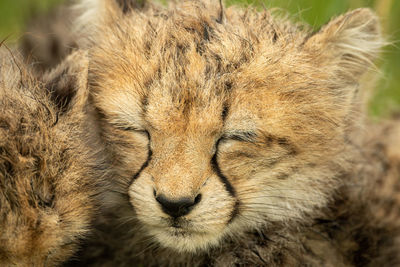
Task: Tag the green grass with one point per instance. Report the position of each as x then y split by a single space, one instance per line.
15 13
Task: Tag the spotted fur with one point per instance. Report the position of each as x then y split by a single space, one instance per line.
49 175
256 116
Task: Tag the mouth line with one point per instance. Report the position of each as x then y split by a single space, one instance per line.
177 229
176 224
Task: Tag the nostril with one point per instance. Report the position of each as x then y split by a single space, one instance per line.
197 199
177 208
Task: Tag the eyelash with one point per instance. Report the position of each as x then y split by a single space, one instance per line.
133 129
130 129
249 138
242 137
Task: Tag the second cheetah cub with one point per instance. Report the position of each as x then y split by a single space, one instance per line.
49 175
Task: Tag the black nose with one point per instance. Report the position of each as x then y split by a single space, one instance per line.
177 208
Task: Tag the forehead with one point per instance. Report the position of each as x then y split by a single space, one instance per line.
187 43
184 66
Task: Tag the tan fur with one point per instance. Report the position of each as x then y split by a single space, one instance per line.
254 113
49 176
49 38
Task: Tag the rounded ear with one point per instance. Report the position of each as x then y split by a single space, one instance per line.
93 14
68 83
94 10
128 5
352 41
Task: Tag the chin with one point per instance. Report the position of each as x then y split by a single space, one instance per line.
196 231
185 241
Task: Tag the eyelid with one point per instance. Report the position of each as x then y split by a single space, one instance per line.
245 136
131 129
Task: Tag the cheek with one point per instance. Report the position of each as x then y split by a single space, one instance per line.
216 206
238 162
273 186
142 199
129 150
242 161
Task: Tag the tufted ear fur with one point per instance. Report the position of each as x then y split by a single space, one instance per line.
68 83
351 42
127 5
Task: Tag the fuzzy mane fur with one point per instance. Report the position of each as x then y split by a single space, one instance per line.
254 120
49 175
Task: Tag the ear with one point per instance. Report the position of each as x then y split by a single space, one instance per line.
92 14
351 42
93 11
128 5
107 5
68 83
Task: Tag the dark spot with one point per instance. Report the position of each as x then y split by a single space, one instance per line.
207 71
217 58
224 112
38 221
261 238
46 203
228 86
4 124
283 176
8 168
286 144
100 114
206 35
145 103
275 37
269 140
282 141
200 51
24 126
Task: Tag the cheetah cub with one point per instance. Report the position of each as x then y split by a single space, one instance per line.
232 131
49 175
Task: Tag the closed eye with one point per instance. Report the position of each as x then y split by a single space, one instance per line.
243 136
131 129
119 124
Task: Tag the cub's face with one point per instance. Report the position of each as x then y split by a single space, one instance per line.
220 128
48 174
200 166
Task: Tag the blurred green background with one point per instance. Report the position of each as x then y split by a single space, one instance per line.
14 14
